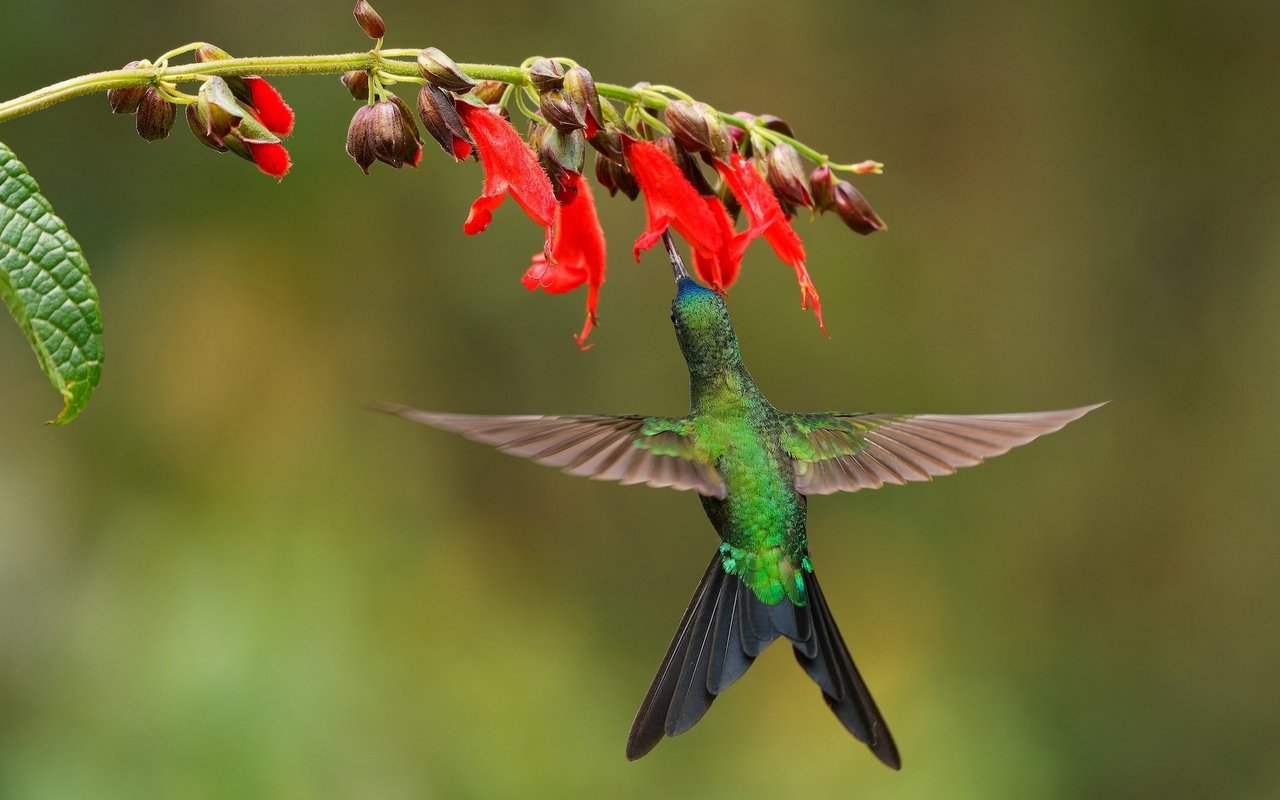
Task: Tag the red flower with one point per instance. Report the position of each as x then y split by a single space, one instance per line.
273 112
510 167
671 201
766 218
577 254
270 157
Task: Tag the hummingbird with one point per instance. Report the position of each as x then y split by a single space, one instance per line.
754 468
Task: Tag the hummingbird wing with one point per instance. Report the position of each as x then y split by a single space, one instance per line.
848 452
629 449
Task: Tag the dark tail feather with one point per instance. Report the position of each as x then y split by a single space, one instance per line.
832 668
722 631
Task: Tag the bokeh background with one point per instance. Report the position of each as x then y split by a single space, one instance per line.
228 579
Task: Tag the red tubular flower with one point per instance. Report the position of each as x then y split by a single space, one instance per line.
270 157
671 201
510 167
766 218
273 112
577 254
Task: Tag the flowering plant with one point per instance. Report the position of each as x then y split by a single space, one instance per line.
699 170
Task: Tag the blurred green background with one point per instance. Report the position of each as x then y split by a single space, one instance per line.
227 579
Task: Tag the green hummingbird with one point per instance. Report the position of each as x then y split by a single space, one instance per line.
754 468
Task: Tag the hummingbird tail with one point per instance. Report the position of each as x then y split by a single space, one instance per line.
724 629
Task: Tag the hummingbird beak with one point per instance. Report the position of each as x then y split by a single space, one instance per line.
677 266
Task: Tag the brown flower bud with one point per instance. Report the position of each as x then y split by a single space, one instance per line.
384 132
854 209
786 175
581 89
775 124
439 115
822 184
370 21
357 83
562 156
441 70
698 128
608 143
614 177
688 166
200 126
489 92
546 75
155 115
559 109
125 99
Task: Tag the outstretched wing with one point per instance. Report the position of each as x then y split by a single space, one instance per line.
652 450
848 452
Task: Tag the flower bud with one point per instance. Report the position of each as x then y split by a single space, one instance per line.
614 177
357 83
562 156
854 209
370 21
155 115
581 89
199 125
218 109
359 145
559 109
688 166
546 75
822 184
125 99
608 143
775 124
489 92
698 128
441 70
384 132
786 175
439 115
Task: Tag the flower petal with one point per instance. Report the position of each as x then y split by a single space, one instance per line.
766 218
271 158
671 201
577 254
272 110
510 167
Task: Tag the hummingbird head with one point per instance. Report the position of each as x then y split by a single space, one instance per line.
702 323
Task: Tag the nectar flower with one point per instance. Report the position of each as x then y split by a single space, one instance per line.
510 167
765 218
578 254
671 201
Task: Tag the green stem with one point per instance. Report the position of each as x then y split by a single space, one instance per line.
384 60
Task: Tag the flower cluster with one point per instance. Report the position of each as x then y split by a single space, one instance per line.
720 181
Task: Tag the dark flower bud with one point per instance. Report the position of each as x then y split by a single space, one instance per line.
562 156
822 184
698 128
688 166
546 75
199 125
775 124
439 115
616 178
786 175
357 82
125 99
359 144
558 108
489 92
608 143
581 89
155 115
854 209
441 70
370 21
210 52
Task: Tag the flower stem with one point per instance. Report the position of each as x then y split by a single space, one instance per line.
386 61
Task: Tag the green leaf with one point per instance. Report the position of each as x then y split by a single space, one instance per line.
44 280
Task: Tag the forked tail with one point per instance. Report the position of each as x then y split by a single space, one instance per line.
722 631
